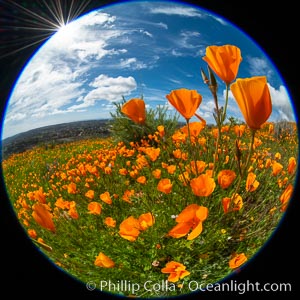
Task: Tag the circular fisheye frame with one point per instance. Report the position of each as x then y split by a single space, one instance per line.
161 152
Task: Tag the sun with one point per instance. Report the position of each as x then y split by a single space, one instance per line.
65 34
31 25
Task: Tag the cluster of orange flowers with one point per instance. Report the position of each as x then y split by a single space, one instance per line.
82 174
251 94
254 100
131 227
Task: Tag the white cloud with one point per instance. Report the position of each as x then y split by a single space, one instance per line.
86 37
259 67
108 89
176 10
162 25
55 78
98 18
188 43
147 33
43 88
220 20
132 63
282 103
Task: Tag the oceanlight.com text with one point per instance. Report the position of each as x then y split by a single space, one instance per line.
192 286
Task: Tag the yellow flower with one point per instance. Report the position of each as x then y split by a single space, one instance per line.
224 61
254 100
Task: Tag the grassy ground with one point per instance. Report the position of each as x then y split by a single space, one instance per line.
82 184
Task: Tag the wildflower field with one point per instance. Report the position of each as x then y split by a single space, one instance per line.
157 205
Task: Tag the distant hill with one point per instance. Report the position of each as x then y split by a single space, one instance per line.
60 133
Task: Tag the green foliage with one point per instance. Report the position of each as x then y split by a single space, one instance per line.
125 130
95 165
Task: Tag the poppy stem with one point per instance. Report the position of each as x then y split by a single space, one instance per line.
253 131
226 104
191 150
216 152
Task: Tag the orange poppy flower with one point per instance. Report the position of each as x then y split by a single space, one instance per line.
171 169
72 188
185 101
156 173
90 194
292 165
194 127
239 130
135 110
141 180
165 186
127 194
237 260
176 270
73 213
224 61
110 222
161 130
237 201
197 167
251 182
37 195
254 100
203 185
271 128
146 220
103 261
276 168
190 218
123 171
43 216
105 197
130 229
153 153
277 155
63 204
94 208
32 233
225 178
286 196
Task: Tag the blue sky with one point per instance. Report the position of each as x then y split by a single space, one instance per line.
131 49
